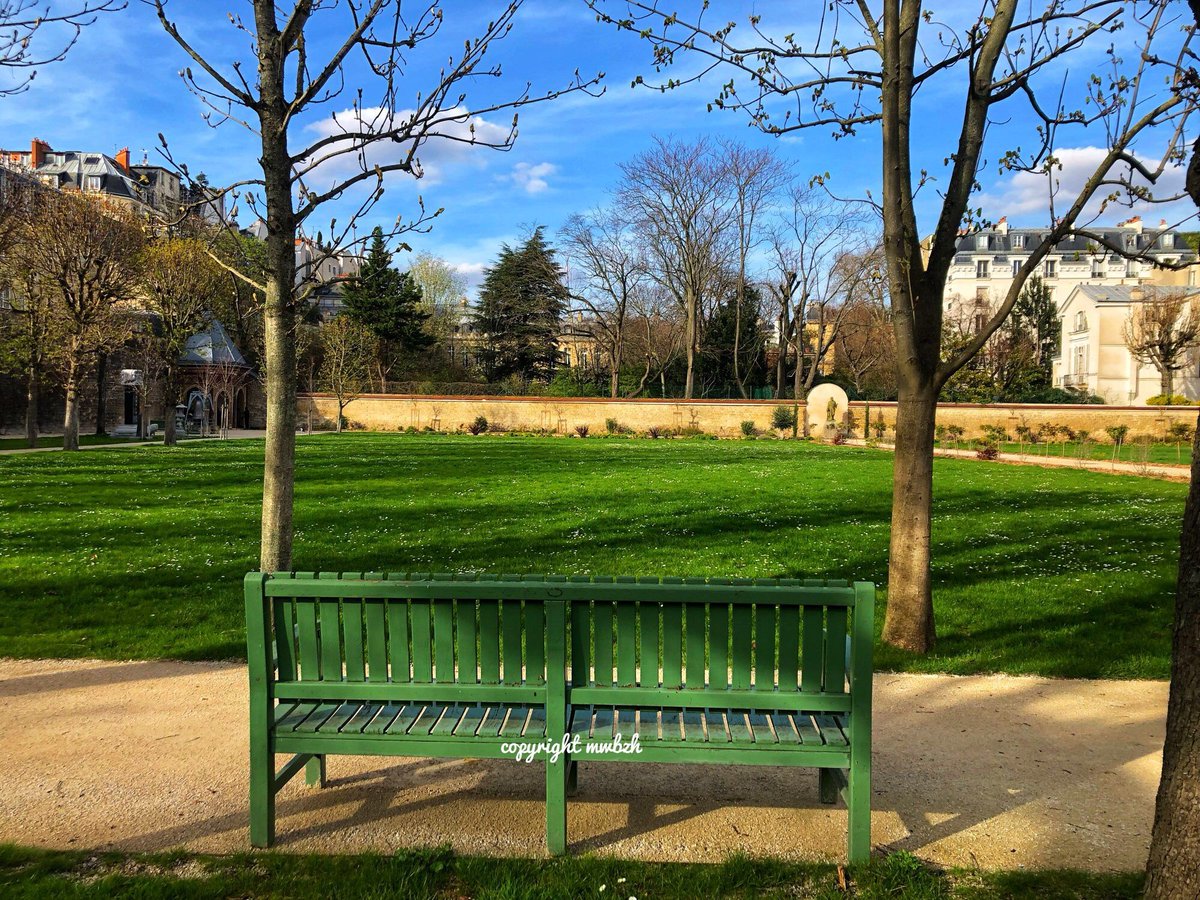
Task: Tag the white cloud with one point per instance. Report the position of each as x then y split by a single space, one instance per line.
454 140
1027 194
531 177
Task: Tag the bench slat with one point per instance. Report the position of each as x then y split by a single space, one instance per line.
835 651
718 645
535 643
404 719
739 731
383 719
812 648
421 616
789 648
317 717
443 641
831 732
362 717
581 643
448 723
514 725
785 731
469 724
760 729
352 630
306 624
695 622
806 728
343 714
672 725
489 641
284 623
649 613
742 646
398 652
693 726
510 613
602 650
672 642
764 648
536 725
375 620
714 722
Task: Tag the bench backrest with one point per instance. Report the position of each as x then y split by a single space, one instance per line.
756 644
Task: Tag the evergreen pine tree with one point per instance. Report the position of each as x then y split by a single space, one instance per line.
387 301
521 304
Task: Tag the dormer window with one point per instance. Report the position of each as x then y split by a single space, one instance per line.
1018 241
1168 241
981 242
981 268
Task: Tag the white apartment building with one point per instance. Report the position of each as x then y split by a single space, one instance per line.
1094 290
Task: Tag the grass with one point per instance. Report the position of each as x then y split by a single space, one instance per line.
1128 452
85 440
437 873
140 554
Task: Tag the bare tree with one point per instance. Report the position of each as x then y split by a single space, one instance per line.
181 285
24 44
675 193
343 158
865 67
814 239
85 253
753 176
655 332
1162 330
600 244
347 352
442 291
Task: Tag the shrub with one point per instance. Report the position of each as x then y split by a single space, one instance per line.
994 435
1117 433
1173 400
749 429
582 430
655 432
880 428
955 433
939 433
839 438
987 451
1179 432
783 417
1026 434
612 426
479 426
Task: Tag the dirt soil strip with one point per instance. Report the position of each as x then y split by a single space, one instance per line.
992 771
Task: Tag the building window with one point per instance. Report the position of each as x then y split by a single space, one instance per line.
1131 269
1080 361
1018 241
1098 268
1051 268
1080 321
981 268
92 183
980 320
981 242
1168 241
1016 267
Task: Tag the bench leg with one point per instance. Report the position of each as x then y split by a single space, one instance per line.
556 805
827 785
858 802
262 795
314 771
572 778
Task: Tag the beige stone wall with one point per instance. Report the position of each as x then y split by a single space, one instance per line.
379 412
1152 420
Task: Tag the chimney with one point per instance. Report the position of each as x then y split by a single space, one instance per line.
37 152
1138 294
1002 225
123 159
1135 223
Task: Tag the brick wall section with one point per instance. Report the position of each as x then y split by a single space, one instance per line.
386 412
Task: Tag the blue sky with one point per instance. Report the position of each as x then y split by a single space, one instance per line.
120 87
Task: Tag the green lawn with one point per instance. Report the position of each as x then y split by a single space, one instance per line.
140 554
85 440
1131 452
440 874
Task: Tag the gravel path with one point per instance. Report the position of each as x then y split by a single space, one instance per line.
992 771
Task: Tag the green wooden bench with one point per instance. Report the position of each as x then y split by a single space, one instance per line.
763 672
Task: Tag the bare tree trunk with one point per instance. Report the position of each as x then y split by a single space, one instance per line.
101 398
1165 383
781 359
909 621
169 401
615 380
71 413
690 383
341 406
737 342
1173 869
32 390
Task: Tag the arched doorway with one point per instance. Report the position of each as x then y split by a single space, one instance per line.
241 410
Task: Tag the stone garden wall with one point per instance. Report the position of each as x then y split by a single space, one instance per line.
388 412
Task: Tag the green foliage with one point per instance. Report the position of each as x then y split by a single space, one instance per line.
1179 431
783 418
479 426
386 300
1173 400
994 435
721 336
1116 433
749 429
523 298
879 426
612 426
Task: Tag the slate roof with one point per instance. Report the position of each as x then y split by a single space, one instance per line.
1120 293
73 166
212 347
1147 240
